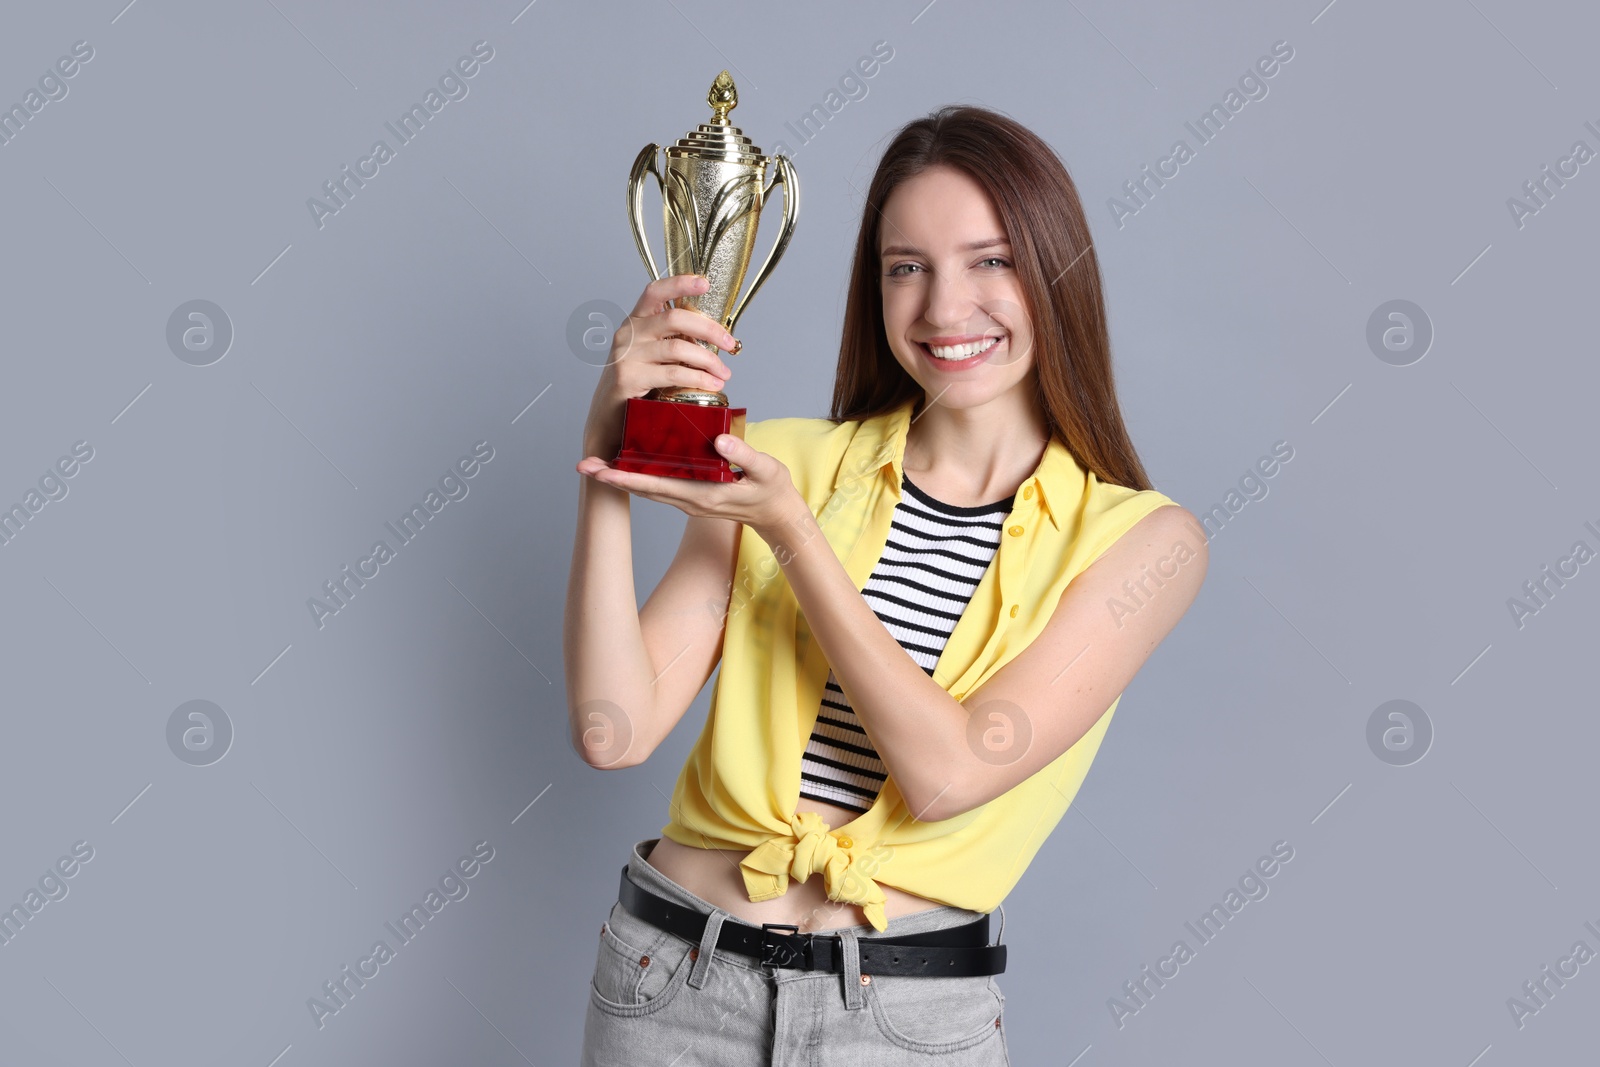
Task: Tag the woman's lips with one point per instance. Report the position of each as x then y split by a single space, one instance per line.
955 365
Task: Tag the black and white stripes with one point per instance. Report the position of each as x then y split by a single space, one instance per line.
931 564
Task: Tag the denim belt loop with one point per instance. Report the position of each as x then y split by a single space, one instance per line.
708 945
853 997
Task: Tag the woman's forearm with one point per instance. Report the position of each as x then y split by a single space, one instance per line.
918 729
608 668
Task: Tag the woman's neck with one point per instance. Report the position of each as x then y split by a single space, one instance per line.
974 455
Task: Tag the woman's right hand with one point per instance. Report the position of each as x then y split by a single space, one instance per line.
651 349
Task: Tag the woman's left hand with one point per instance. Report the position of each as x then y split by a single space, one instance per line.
764 498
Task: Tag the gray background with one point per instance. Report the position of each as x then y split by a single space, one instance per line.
432 313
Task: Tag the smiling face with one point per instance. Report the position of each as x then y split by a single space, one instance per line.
953 306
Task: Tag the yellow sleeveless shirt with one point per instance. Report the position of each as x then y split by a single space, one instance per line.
740 786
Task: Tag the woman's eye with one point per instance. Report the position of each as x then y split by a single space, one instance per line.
998 259
894 272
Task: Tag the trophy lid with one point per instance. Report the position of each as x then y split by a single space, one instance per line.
718 139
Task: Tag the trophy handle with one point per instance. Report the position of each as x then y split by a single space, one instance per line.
783 172
644 163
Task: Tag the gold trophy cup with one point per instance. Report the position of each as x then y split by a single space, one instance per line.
712 194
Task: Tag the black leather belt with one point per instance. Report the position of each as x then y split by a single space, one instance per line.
956 952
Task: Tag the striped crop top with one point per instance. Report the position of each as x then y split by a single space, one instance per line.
931 565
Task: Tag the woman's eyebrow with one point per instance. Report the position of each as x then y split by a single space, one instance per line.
907 250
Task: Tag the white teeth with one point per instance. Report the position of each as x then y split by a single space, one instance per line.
965 351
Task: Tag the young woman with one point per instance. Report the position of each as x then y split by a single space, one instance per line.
925 608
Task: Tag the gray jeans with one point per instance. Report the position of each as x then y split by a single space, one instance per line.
657 998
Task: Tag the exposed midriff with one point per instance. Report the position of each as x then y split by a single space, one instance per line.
712 874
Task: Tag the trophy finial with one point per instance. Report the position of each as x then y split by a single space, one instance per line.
723 98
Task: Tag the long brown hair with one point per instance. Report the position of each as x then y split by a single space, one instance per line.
1055 259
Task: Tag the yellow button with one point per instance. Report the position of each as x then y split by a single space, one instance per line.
1015 531
1013 611
844 841
1027 493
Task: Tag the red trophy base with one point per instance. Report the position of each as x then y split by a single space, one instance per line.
673 439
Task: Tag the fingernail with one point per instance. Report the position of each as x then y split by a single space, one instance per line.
737 346
702 283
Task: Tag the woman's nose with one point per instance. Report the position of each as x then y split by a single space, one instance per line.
951 306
